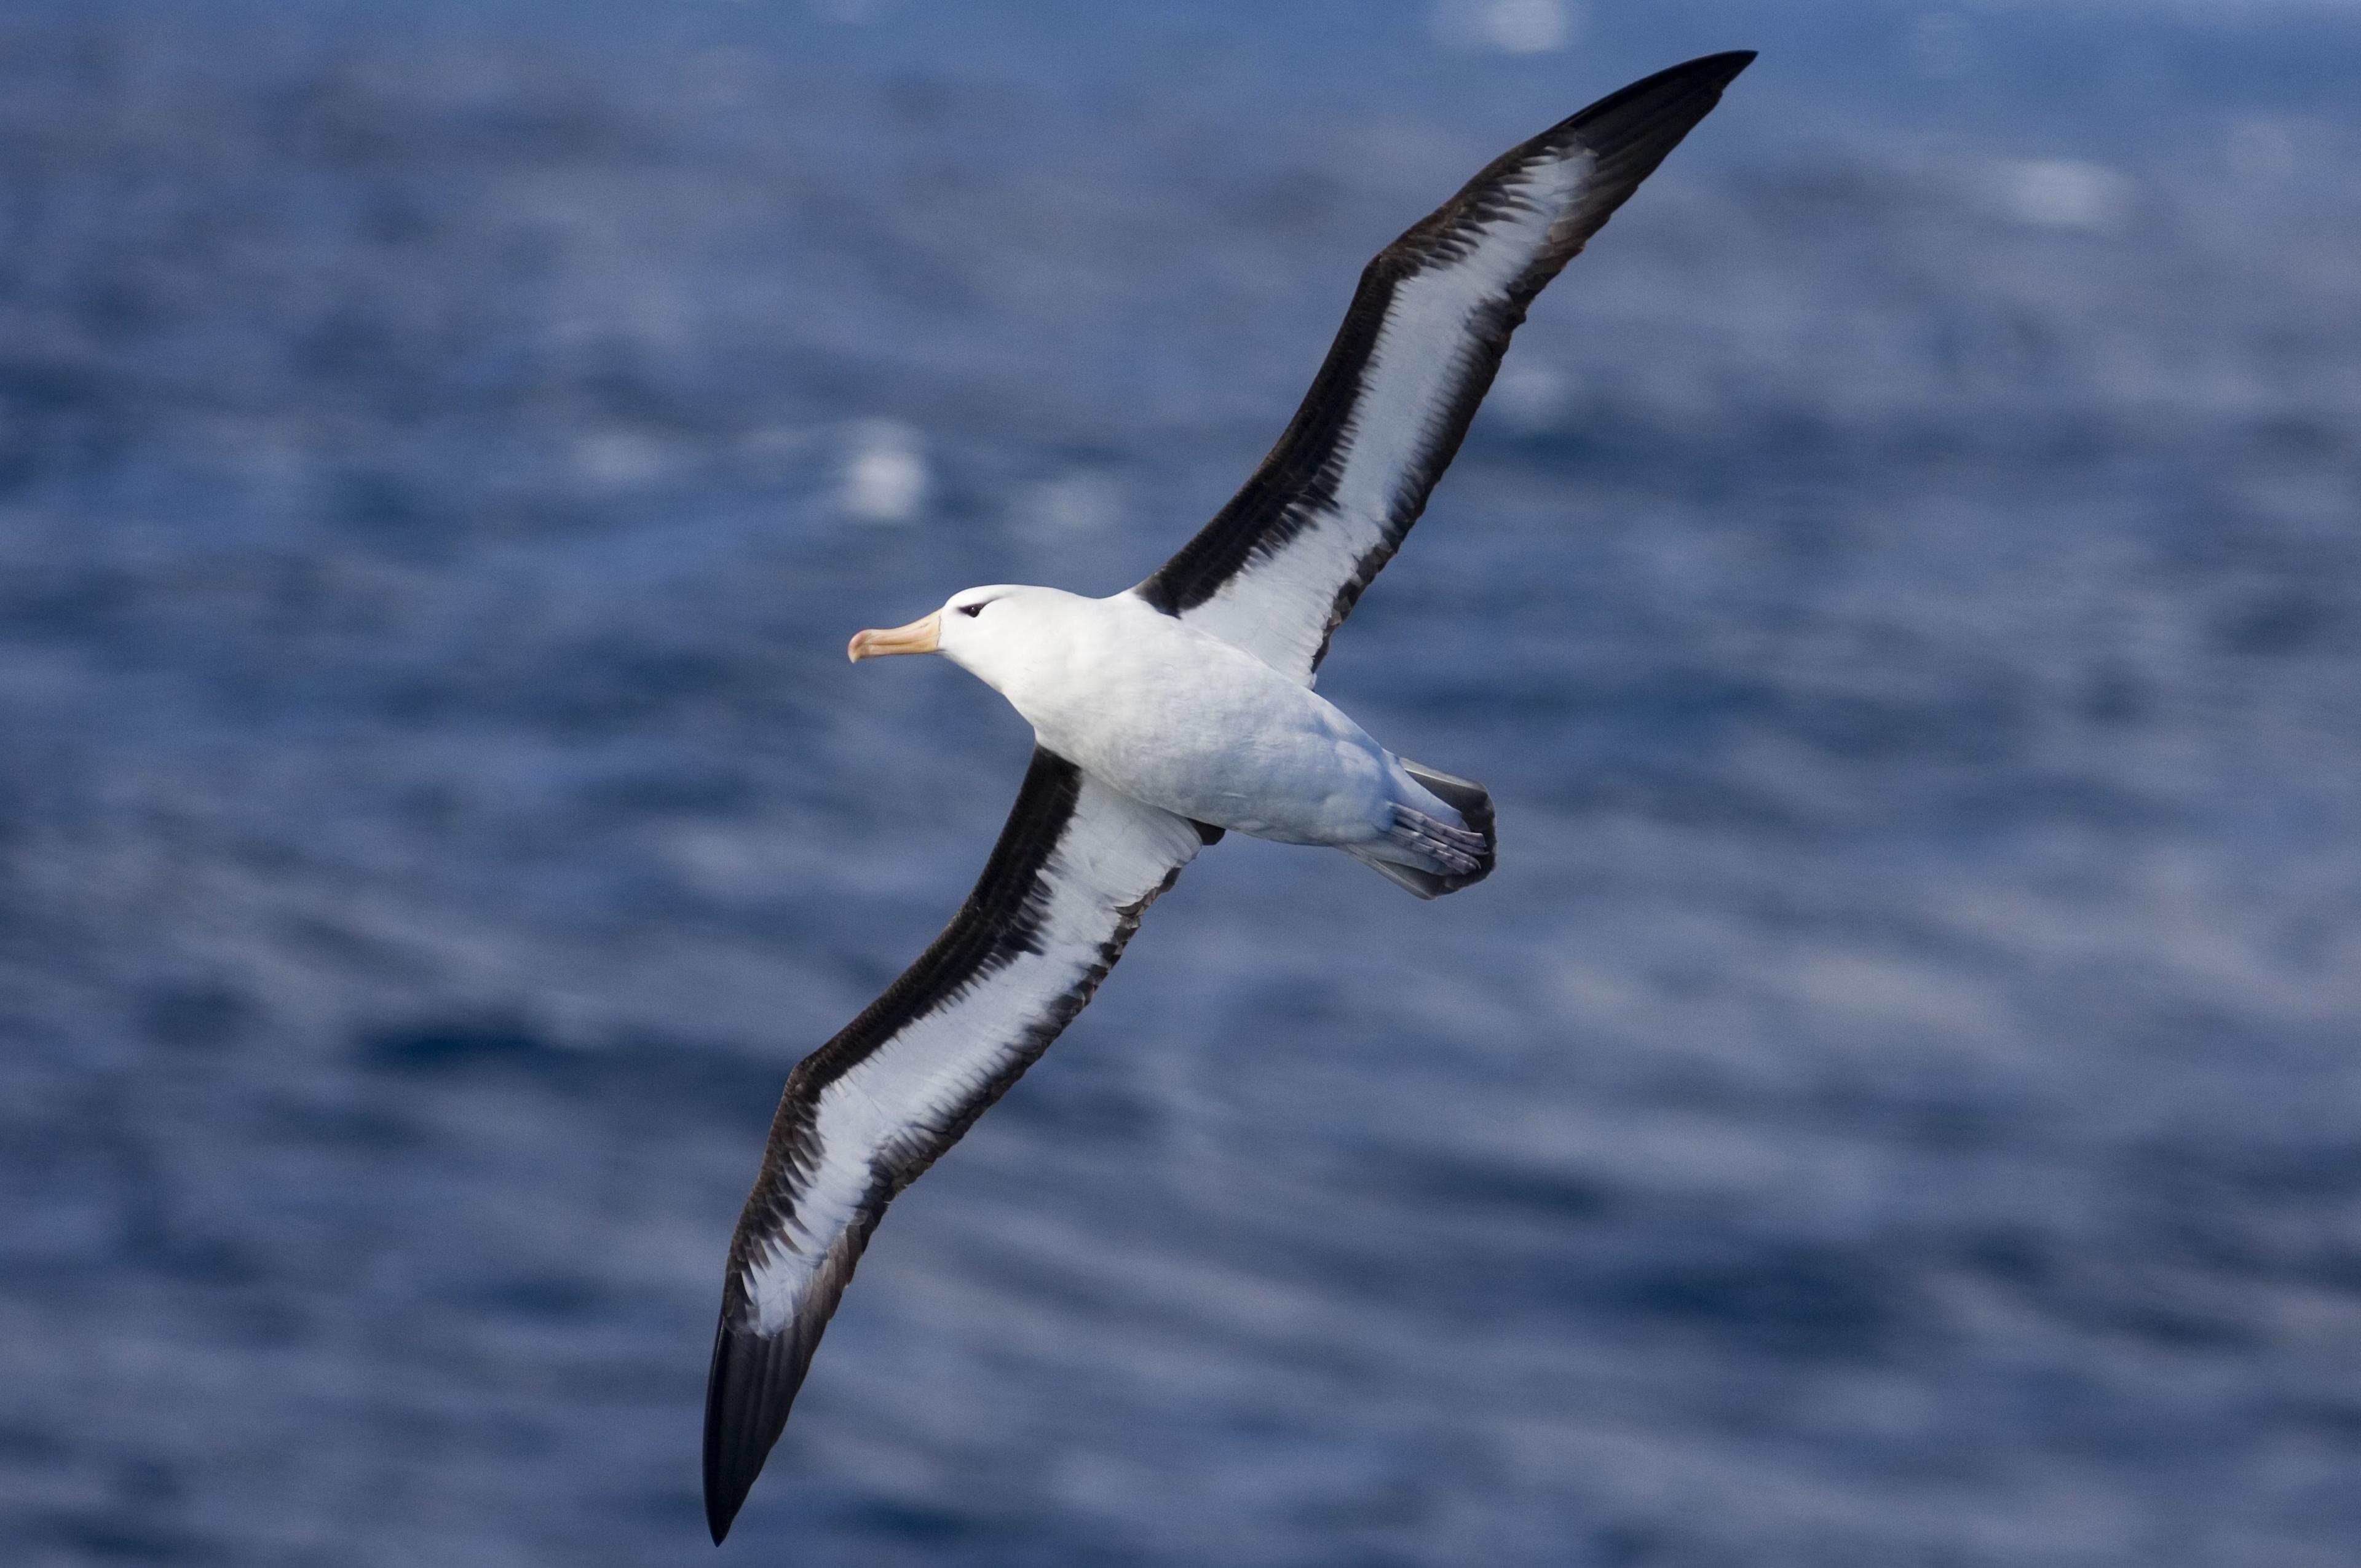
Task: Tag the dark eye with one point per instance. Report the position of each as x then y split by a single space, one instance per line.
972 608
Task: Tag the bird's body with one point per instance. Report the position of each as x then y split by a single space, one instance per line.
1164 716
1178 719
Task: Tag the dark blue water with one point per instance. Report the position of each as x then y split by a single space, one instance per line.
1897 1103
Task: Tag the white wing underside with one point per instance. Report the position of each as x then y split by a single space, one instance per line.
884 1113
1432 343
1278 568
862 1116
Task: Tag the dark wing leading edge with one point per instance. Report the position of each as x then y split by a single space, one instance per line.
1278 568
869 1111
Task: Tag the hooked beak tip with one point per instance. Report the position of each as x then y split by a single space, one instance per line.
923 636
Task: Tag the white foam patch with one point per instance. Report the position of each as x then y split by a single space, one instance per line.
2063 194
886 477
1511 27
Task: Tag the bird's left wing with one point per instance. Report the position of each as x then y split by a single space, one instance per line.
1280 567
869 1111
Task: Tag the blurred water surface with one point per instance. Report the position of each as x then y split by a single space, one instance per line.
1896 1102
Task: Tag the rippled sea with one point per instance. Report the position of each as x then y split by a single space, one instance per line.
1897 1103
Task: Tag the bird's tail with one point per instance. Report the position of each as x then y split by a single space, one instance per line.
1455 858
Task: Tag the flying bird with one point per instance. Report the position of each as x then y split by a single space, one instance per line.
1164 716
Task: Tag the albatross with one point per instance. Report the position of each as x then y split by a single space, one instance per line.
1164 716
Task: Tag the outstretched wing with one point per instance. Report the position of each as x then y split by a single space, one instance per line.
1278 568
866 1113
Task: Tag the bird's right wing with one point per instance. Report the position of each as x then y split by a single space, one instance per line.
1280 567
869 1111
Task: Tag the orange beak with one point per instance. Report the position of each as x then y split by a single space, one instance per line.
918 637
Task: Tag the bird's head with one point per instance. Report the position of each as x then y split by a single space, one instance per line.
988 631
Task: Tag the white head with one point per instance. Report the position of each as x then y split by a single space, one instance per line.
994 634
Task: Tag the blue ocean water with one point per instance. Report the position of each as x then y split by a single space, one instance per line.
1896 1102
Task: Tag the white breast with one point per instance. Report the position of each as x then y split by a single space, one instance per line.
1180 719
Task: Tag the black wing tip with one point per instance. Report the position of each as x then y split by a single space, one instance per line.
747 1396
1715 71
1663 107
1723 67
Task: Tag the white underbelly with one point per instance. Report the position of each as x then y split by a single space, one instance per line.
1300 788
1219 738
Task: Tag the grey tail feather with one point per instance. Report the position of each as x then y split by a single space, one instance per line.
1426 884
1474 804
